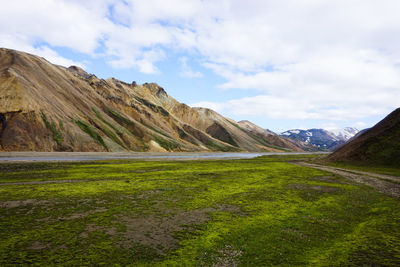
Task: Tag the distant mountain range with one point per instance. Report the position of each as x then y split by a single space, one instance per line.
46 107
273 139
379 145
320 138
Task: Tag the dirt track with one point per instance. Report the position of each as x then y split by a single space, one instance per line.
389 185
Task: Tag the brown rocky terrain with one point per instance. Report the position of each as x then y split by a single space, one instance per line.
46 107
378 145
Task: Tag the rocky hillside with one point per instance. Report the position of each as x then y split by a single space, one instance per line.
378 145
321 139
45 107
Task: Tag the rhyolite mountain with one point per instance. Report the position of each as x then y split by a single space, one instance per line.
379 145
46 107
320 138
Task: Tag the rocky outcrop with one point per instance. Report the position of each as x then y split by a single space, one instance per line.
45 107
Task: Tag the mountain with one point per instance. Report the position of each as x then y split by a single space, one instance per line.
378 145
273 139
320 138
345 134
46 107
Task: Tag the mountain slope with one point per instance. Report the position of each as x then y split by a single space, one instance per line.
378 145
320 138
45 107
274 139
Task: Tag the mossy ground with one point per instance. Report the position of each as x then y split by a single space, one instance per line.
254 212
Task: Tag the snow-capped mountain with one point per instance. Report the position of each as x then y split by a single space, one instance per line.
323 139
345 133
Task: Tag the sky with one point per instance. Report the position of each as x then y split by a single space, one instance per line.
281 64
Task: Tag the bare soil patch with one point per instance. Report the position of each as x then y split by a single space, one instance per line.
37 246
64 181
158 230
19 203
47 182
330 179
228 256
82 214
144 171
320 188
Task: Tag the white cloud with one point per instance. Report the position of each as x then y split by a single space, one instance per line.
142 60
58 23
187 71
302 108
43 51
219 107
55 58
330 126
309 59
360 125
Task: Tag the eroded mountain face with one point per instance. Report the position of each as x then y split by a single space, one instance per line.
45 107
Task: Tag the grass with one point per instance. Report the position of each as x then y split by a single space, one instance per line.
384 148
255 212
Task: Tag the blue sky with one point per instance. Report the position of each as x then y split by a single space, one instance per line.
280 64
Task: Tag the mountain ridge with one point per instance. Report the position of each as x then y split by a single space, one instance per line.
273 138
46 107
320 138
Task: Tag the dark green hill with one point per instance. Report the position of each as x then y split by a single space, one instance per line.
380 145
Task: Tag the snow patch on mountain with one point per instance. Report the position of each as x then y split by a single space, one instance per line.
324 139
345 133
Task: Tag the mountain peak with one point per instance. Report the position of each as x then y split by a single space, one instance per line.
77 69
156 89
345 133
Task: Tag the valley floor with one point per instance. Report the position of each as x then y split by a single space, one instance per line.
94 156
248 212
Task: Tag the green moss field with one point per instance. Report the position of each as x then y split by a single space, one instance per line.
251 212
